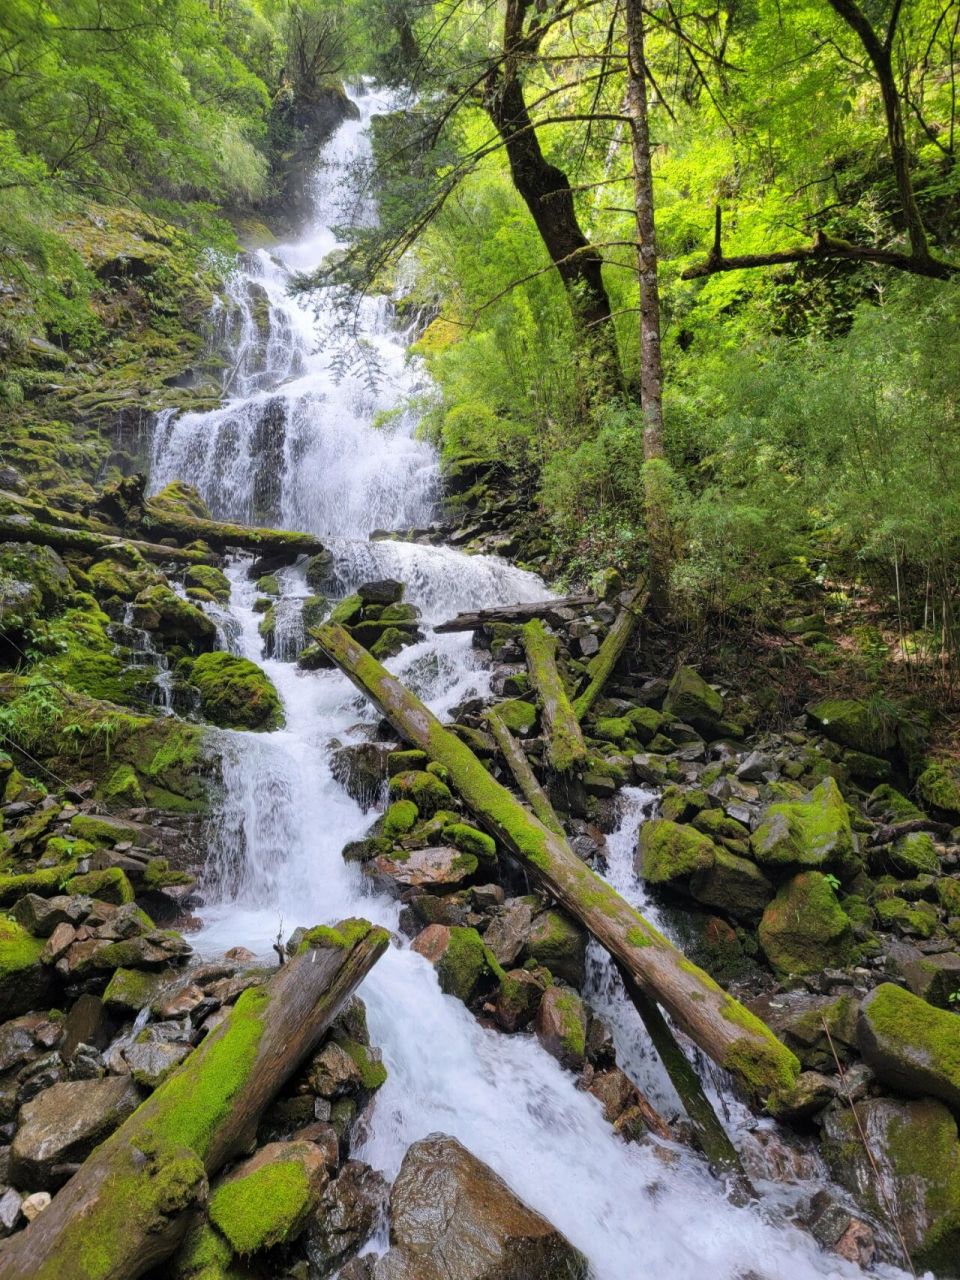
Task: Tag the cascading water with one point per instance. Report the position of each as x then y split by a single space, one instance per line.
295 444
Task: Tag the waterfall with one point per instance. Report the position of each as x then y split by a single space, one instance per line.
295 443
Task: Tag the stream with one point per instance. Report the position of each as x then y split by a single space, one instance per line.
295 444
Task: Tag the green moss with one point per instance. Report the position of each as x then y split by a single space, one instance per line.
235 693
668 851
109 885
123 787
263 1209
613 728
406 761
853 724
132 989
519 716
903 1023
471 841
373 1073
464 964
400 817
343 937
805 929
158 875
691 699
886 799
19 950
573 1031
767 1066
103 831
812 832
204 1254
919 919
426 791
207 578
268 585
46 883
347 611
939 786
913 854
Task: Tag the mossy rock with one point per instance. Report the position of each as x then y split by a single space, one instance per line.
885 799
400 818
691 699
668 852
426 791
912 854
805 929
268 585
645 723
402 761
235 693
347 611
33 581
463 963
915 919
317 570
613 729
911 1045
123 788
389 643
733 885
559 944
682 804
719 826
854 724
913 1149
812 832
314 610
268 1200
109 885
518 715
207 578
178 622
180 499
939 786
109 578
469 840
25 983
130 990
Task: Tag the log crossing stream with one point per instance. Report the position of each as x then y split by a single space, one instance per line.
295 445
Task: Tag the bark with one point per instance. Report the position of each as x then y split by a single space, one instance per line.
523 775
126 1209
720 1025
566 750
656 495
605 660
516 613
547 193
187 528
26 529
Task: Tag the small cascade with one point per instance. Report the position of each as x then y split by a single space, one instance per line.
144 654
295 443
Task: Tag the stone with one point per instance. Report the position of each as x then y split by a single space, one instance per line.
812 832
755 767
668 852
911 1045
351 1208
40 916
35 1204
130 990
804 929
151 1061
436 869
518 999
386 591
25 983
10 1210
851 723
459 956
332 1072
914 1150
561 1027
558 943
62 1125
268 1199
453 1218
87 1023
935 979
361 769
733 885
835 1228
691 699
507 932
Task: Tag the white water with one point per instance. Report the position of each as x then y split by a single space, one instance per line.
276 859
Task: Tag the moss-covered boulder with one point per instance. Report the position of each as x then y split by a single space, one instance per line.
910 855
110 578
910 1044
427 791
939 786
812 832
805 929
692 700
176 621
668 852
235 693
463 963
561 1027
110 885
559 944
854 724
469 840
33 580
25 983
912 919
733 885
179 498
518 715
204 577
267 1200
913 1153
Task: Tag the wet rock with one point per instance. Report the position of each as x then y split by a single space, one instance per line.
350 1210
812 832
386 591
87 1023
361 769
733 885
63 1124
25 1038
913 1163
453 1218
333 1073
459 957
756 766
25 983
910 1044
805 929
834 1227
435 869
130 990
151 1059
10 1210
425 790
559 944
561 1027
668 852
269 1198
518 999
507 932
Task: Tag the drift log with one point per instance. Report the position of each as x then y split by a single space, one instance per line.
516 613
127 1207
720 1025
17 528
607 656
186 528
524 776
566 750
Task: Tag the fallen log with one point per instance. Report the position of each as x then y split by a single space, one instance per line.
894 830
23 528
607 656
714 1020
516 613
163 523
566 749
523 775
128 1206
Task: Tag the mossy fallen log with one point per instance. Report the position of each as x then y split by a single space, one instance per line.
523 775
126 1209
714 1020
516 613
608 655
566 750
23 528
182 527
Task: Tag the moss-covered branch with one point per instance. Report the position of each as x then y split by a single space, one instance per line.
566 749
23 528
614 643
182 527
714 1020
523 775
516 613
127 1207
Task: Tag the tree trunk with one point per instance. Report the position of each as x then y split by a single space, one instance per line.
566 750
26 529
605 660
720 1025
220 535
126 1209
656 495
516 613
523 775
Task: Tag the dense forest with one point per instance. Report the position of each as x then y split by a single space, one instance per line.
580 379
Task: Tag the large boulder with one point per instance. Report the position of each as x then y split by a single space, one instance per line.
691 699
436 869
32 580
25 983
176 620
910 1044
733 885
458 954
812 832
804 929
350 1209
913 1160
61 1126
453 1218
559 944
853 723
235 693
939 786
668 852
269 1198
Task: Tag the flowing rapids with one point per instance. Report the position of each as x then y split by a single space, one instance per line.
295 444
